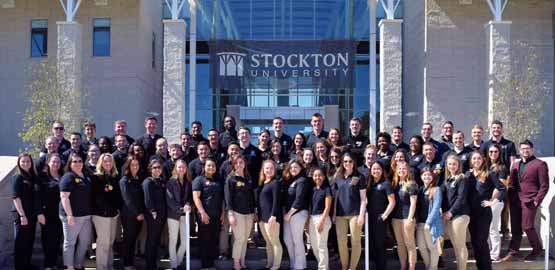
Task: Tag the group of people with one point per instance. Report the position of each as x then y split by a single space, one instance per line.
423 193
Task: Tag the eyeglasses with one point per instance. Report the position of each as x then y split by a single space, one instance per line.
76 161
347 161
59 128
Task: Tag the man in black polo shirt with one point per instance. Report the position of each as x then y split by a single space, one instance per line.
251 152
356 141
508 148
284 140
426 132
120 155
447 133
318 132
229 134
196 132
189 152
148 140
196 166
58 133
89 129
175 153
460 150
76 147
397 140
120 128
51 146
217 153
477 141
430 160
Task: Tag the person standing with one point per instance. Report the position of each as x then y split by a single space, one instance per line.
356 141
26 206
239 198
154 189
51 230
430 224
484 191
133 207
148 140
493 162
319 221
89 129
270 213
318 132
105 208
381 203
229 134
75 212
397 140
58 133
350 206
208 199
179 200
530 179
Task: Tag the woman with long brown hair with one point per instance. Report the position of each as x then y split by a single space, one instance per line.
430 225
493 162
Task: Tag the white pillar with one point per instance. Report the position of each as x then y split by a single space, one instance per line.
391 74
174 80
372 125
193 62
499 60
69 72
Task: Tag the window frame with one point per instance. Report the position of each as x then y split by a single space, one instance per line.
107 29
44 32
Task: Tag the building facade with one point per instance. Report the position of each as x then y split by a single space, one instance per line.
443 61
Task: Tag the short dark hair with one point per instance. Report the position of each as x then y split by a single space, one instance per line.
186 133
497 122
89 124
196 122
317 114
429 144
213 129
205 143
397 127
245 128
383 135
76 134
277 118
527 142
151 118
448 122
356 119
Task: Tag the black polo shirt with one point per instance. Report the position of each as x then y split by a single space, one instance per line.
312 138
80 189
155 196
463 155
27 189
254 160
211 195
85 143
318 202
436 165
228 136
508 149
239 194
377 197
120 156
50 192
195 168
149 144
298 194
130 140
106 196
478 191
177 195
189 155
81 152
440 147
62 146
393 147
347 190
402 200
195 140
356 145
219 155
455 190
269 201
133 197
414 160
285 141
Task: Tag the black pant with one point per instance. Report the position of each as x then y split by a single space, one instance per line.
131 229
208 237
515 210
24 240
51 238
376 241
480 221
154 233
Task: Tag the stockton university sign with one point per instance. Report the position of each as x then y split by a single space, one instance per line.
237 64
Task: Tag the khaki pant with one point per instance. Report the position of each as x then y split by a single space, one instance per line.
241 232
343 225
273 245
106 234
319 241
406 244
456 230
427 248
176 228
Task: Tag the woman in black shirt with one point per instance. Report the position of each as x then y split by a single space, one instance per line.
277 156
179 198
106 204
381 202
264 143
415 154
239 198
25 195
208 198
133 207
308 161
299 143
75 211
455 208
154 188
320 222
296 202
51 231
484 191
321 151
493 162
270 214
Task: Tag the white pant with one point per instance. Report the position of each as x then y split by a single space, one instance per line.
105 235
293 238
175 228
319 241
494 235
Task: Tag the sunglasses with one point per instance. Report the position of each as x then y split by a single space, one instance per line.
59 128
76 161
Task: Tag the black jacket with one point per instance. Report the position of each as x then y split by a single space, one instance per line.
177 195
133 197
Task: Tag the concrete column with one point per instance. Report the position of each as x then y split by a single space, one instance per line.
331 117
69 69
173 116
391 74
499 60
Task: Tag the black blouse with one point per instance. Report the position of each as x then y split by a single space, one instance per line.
239 194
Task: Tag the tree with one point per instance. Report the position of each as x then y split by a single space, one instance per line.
48 102
521 97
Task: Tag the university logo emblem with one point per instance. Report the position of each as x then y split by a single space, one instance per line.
231 64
